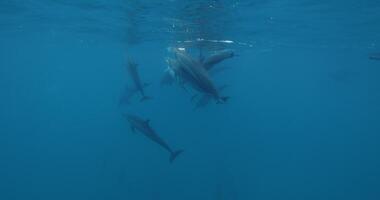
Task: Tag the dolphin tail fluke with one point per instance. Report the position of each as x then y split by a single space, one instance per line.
174 155
144 98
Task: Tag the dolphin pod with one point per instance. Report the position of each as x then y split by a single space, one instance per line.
185 71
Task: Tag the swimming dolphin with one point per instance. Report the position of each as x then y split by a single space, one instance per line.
172 73
199 76
179 74
144 127
211 61
375 56
208 63
132 69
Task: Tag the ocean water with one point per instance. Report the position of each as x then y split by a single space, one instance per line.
302 120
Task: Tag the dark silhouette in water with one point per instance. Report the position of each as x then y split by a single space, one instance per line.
196 75
208 64
374 56
144 127
211 61
132 69
128 93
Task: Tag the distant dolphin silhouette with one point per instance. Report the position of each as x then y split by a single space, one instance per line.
132 69
144 127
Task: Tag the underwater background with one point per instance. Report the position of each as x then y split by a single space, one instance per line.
302 120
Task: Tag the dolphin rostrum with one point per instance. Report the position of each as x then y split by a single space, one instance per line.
132 69
144 127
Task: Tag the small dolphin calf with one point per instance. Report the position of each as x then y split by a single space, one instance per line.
143 126
375 56
132 69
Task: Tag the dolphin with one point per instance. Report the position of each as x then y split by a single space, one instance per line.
211 61
208 63
199 75
132 69
172 73
144 127
374 56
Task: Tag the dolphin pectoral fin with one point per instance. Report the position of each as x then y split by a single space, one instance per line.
174 155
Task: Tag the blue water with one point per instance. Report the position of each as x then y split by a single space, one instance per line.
302 121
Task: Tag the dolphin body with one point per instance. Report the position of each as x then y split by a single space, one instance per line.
375 56
208 63
132 69
216 58
198 76
181 75
144 127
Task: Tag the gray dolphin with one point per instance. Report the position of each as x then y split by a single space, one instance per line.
211 61
374 56
207 63
132 69
199 75
144 127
